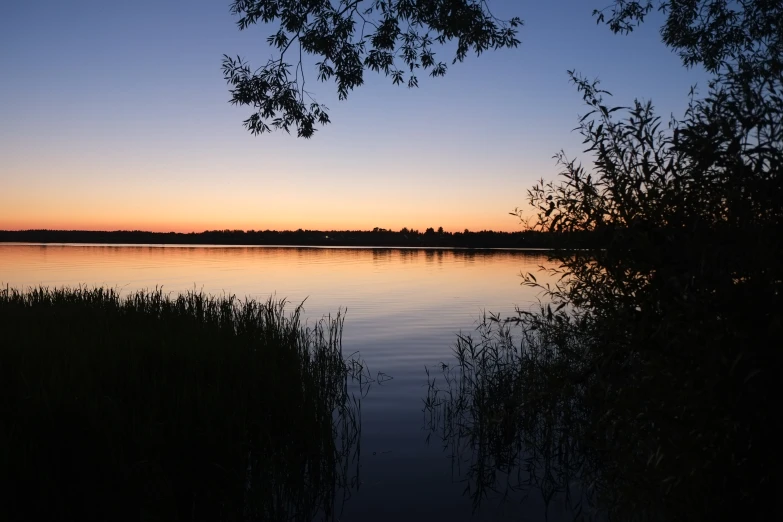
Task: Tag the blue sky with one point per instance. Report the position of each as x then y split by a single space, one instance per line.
116 115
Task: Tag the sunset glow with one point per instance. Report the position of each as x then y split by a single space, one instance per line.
126 126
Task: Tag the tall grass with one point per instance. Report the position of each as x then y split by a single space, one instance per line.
553 403
148 407
509 411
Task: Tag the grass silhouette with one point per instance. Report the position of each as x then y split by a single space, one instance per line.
152 407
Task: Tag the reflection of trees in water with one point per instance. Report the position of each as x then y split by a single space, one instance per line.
381 254
407 255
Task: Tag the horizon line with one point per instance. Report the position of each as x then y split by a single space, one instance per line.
246 231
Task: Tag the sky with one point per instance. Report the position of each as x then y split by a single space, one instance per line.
115 115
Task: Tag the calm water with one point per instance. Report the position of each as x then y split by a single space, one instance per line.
404 309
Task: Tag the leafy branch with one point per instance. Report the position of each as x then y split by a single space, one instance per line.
395 38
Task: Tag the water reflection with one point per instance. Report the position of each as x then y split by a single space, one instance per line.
404 308
512 419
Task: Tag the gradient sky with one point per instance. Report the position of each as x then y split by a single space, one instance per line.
115 115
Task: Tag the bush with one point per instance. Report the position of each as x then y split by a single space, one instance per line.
652 364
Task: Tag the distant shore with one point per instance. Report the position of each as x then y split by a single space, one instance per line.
349 238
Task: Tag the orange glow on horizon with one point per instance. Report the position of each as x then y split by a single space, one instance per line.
178 206
185 229
506 223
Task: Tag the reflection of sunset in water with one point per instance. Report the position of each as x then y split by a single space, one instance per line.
399 279
404 309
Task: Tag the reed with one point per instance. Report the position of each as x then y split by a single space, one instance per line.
551 403
508 409
153 407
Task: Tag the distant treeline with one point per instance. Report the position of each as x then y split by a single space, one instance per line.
376 237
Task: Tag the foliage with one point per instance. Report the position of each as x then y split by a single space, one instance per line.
699 205
650 368
393 37
711 33
157 408
645 380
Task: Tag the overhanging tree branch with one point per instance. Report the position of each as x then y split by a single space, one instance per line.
327 29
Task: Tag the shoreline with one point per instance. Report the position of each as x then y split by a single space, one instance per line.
320 247
379 239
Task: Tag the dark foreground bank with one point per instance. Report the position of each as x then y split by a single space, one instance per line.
157 408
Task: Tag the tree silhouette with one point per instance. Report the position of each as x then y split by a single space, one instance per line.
644 377
395 38
710 33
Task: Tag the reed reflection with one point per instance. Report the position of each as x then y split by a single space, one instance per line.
513 415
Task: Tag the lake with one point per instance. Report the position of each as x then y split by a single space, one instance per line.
404 310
